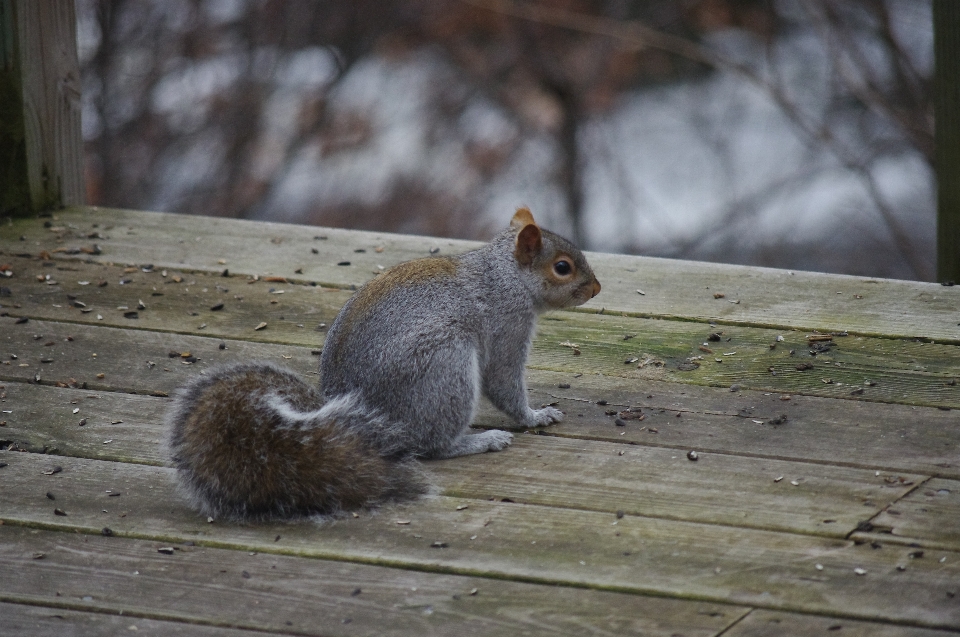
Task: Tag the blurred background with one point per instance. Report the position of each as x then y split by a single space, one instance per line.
785 133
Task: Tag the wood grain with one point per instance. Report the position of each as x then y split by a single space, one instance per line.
893 439
590 475
764 623
41 105
672 289
53 620
270 592
929 515
864 368
515 542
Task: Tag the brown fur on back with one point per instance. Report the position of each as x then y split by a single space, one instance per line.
411 273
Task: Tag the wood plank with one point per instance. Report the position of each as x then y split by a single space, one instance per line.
930 515
892 439
672 289
44 621
663 483
590 475
528 543
894 371
861 368
270 592
765 623
199 303
885 437
130 360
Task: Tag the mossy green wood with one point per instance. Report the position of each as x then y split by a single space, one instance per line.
868 368
659 482
895 440
517 542
269 592
671 289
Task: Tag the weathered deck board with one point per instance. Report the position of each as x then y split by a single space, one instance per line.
879 369
892 439
929 516
280 593
673 289
524 542
764 623
707 547
172 301
54 621
590 475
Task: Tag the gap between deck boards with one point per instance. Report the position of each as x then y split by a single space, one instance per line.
525 543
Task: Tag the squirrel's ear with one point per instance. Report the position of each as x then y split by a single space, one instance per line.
529 243
523 217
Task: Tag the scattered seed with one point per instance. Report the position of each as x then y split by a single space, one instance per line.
53 471
261 326
439 545
693 456
860 571
166 550
60 512
106 531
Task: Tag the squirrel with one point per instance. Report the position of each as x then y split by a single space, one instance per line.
401 372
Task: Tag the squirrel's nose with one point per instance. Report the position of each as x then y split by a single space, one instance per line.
596 288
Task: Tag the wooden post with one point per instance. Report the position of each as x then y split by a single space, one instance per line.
41 150
946 32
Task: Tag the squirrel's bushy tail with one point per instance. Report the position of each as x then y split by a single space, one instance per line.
252 441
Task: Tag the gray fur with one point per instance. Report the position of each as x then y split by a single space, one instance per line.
422 356
403 367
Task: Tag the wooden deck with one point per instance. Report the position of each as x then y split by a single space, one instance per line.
825 498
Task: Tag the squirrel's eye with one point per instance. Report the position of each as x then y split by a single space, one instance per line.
563 268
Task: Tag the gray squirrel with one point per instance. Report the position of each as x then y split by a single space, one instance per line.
401 373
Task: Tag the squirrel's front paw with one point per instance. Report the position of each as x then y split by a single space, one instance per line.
497 439
545 416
